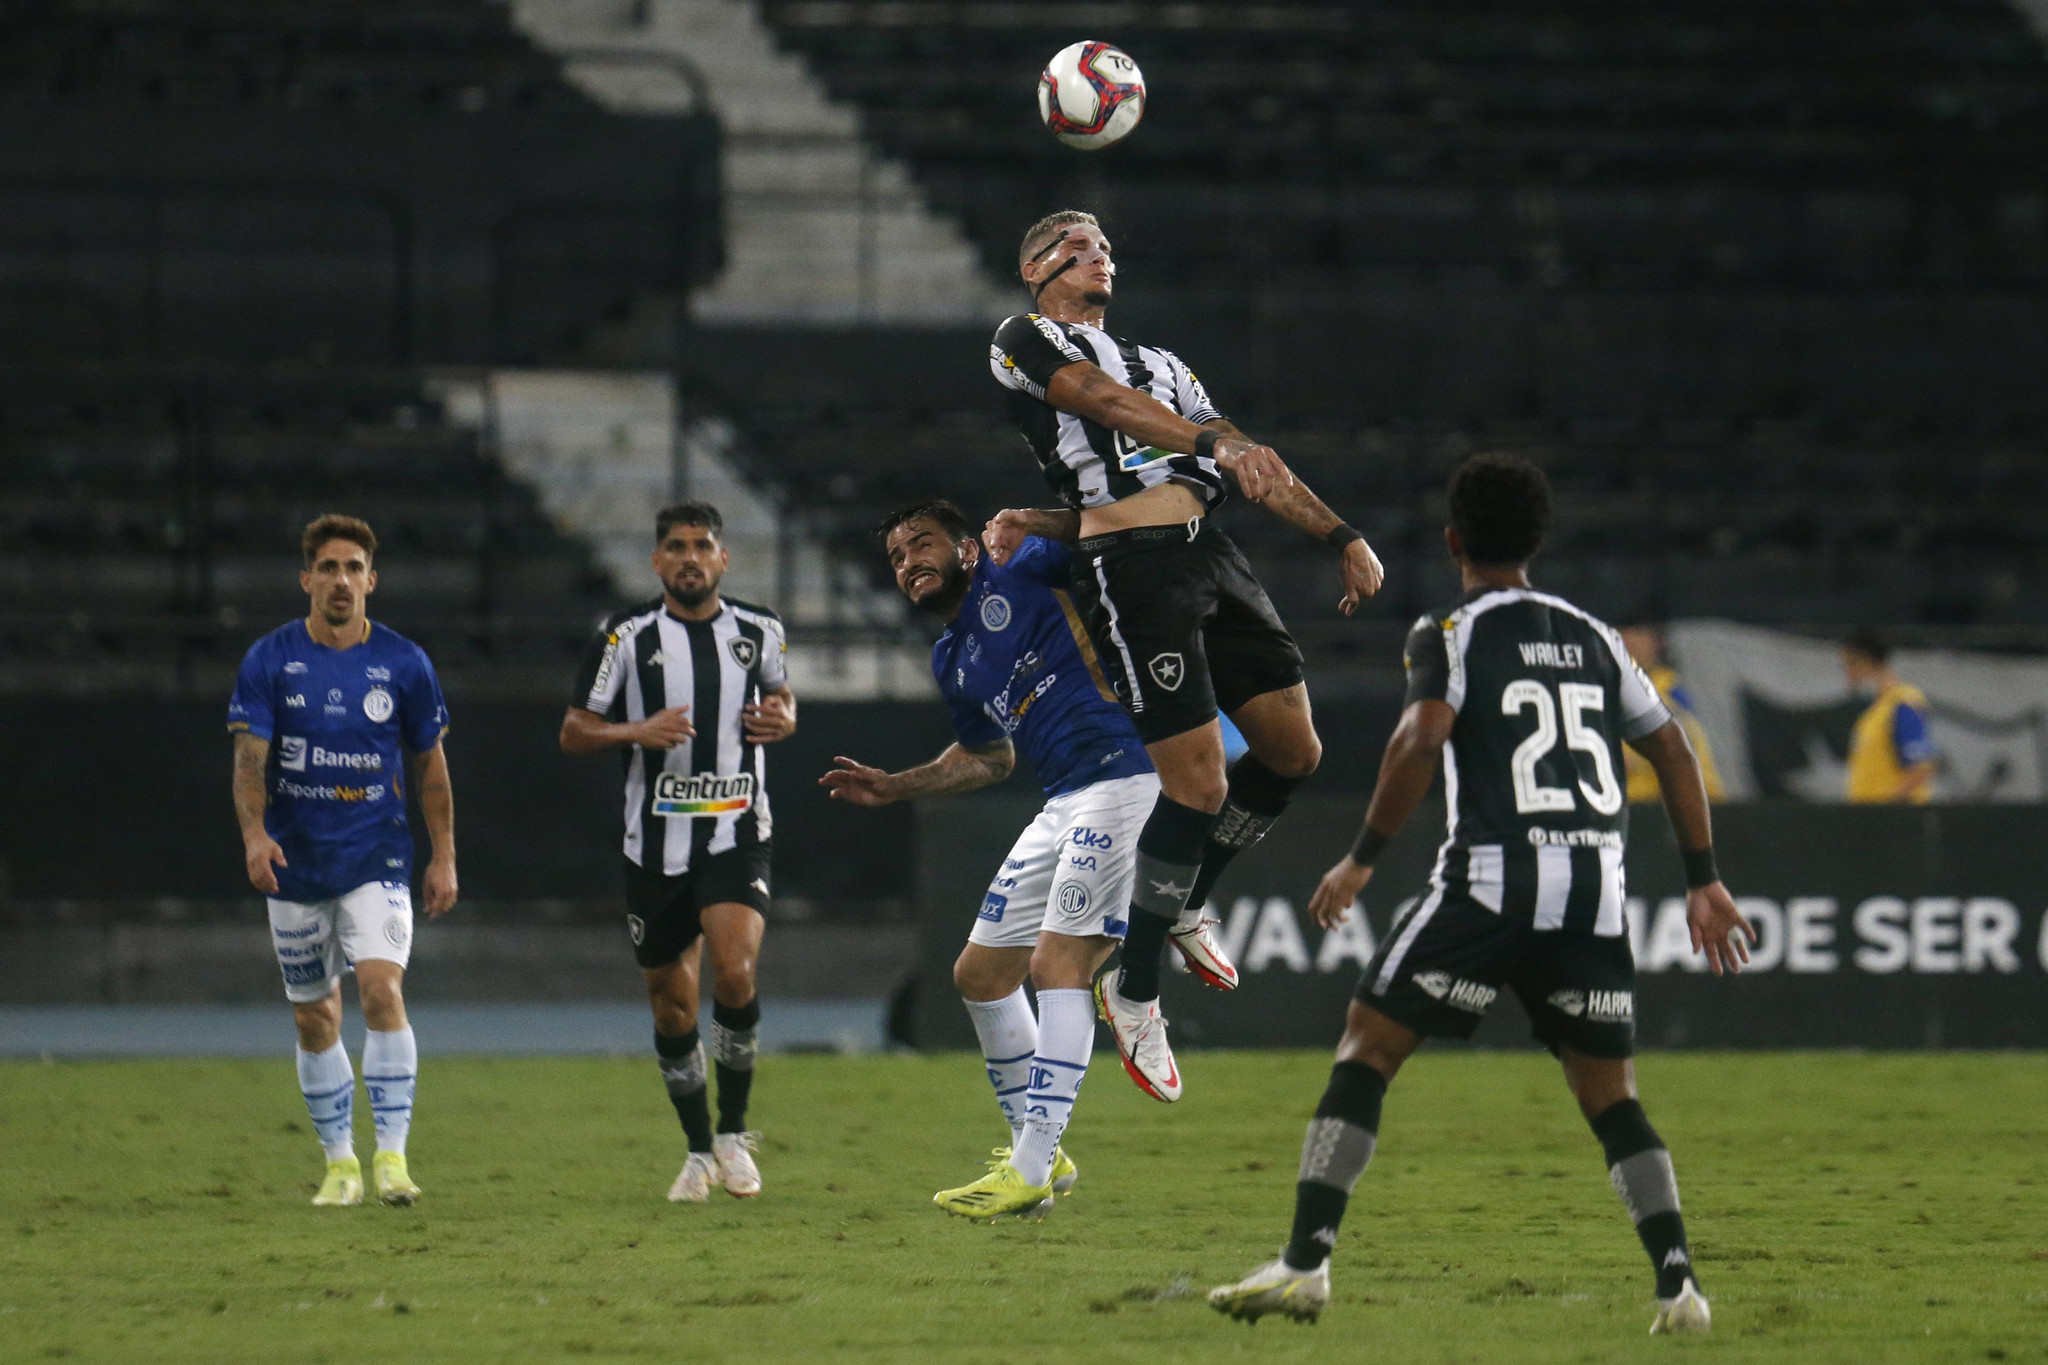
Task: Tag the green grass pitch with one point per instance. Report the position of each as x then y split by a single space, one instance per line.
1843 1208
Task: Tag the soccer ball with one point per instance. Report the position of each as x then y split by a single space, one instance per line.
1090 95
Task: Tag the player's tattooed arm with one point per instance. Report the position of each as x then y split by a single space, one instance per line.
1710 911
436 793
961 768
1008 529
1295 503
1406 771
260 853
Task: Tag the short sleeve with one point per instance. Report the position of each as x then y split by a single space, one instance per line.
1043 561
1028 350
1910 735
971 724
1191 398
249 709
1426 657
423 710
774 655
1642 710
602 675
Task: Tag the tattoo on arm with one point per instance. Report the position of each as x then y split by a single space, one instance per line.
1296 505
1051 523
252 759
436 793
958 769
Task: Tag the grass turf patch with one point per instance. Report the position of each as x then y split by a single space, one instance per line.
1842 1208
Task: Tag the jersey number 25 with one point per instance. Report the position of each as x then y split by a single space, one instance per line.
1531 796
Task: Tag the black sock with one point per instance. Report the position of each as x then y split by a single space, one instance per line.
734 1043
682 1071
1640 1169
1257 798
1169 855
1339 1145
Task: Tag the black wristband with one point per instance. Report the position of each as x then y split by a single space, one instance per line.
1205 444
1341 535
1369 846
1699 867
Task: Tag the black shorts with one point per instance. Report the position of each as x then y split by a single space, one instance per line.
1445 960
1181 624
664 914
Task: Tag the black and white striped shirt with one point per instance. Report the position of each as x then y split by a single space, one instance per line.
708 794
1087 464
1533 775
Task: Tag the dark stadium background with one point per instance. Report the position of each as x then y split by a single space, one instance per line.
1763 286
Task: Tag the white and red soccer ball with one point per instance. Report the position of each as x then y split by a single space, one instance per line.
1090 95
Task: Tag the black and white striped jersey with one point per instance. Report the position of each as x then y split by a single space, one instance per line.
708 794
1087 464
1533 773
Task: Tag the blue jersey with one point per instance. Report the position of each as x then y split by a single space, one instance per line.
1016 664
339 723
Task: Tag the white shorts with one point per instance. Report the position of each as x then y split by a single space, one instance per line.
318 941
1073 868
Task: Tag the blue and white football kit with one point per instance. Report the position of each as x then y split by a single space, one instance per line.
1017 664
339 724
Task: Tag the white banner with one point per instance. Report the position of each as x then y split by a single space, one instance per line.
1777 710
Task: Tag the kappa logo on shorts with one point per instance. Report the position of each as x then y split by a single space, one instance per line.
1168 670
995 613
1073 900
1456 992
637 927
743 651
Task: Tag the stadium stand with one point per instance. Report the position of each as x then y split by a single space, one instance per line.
1763 284
149 529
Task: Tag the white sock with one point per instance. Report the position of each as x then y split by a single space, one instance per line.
1009 1036
391 1069
1066 1039
329 1085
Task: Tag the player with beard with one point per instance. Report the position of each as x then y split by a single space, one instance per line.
691 686
1140 458
1017 669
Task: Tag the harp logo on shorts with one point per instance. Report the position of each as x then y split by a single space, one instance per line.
1456 992
693 794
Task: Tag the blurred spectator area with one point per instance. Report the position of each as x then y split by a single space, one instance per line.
327 181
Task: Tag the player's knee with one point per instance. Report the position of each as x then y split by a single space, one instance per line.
1298 758
318 1023
733 983
1198 789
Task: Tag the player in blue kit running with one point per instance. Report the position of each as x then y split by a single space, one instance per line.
333 716
1018 671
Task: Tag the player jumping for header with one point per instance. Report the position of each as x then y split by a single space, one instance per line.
1017 669
332 715
1535 699
1129 440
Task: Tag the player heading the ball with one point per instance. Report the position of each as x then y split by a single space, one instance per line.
1141 459
1534 699
332 716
